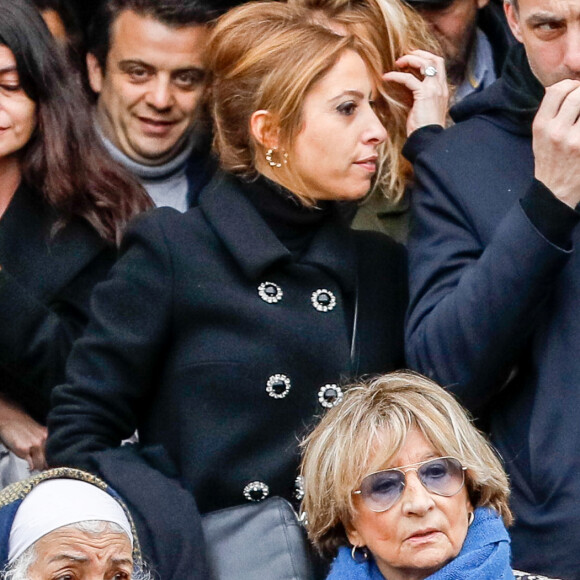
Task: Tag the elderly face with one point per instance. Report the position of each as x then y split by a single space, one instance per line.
422 531
550 31
72 554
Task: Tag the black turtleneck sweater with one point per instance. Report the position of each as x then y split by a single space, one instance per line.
293 223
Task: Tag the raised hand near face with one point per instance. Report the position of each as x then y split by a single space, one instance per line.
430 92
556 141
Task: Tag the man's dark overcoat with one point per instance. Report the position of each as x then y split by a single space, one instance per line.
495 303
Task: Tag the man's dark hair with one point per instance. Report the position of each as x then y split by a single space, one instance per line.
174 13
64 160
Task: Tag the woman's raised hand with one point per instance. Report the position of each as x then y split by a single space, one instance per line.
430 93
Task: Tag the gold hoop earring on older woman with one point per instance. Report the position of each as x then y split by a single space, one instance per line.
470 518
270 158
359 559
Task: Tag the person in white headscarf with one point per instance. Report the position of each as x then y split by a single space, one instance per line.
62 527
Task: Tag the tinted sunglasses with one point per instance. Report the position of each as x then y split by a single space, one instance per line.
442 476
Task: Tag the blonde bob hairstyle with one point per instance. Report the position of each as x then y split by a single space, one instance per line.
395 29
382 411
266 56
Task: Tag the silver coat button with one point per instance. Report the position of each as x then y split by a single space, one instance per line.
323 300
278 386
299 488
270 292
256 491
330 395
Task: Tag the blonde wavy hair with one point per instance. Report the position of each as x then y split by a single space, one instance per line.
268 56
394 29
339 451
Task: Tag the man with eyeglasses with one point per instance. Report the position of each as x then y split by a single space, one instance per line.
494 279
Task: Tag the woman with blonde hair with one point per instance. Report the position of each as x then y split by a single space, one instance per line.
400 35
400 485
224 331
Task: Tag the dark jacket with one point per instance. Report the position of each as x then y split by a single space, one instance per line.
200 169
183 346
45 284
494 307
166 518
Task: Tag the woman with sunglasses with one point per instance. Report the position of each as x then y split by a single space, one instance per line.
399 485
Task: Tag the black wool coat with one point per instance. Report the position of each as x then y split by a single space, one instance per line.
46 279
184 346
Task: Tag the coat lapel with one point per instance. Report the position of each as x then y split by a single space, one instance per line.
239 226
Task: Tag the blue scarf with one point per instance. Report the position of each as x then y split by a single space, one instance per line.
485 555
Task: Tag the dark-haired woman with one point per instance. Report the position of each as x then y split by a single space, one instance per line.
63 204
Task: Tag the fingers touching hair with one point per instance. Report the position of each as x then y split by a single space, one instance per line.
266 56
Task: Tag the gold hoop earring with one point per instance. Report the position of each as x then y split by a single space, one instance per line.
363 557
270 160
470 518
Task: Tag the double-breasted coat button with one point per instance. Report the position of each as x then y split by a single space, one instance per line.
256 491
270 292
299 488
323 300
278 386
330 395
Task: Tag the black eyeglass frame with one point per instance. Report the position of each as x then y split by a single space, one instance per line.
413 467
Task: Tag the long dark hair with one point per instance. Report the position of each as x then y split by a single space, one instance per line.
65 159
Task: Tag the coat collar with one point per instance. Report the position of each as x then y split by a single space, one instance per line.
240 227
254 245
333 249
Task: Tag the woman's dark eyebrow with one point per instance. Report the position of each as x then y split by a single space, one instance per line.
7 69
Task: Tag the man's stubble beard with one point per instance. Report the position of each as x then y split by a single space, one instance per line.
456 64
